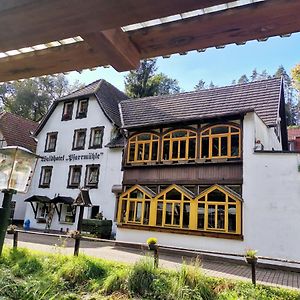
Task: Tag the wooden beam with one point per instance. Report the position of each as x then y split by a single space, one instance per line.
115 46
253 21
32 22
49 61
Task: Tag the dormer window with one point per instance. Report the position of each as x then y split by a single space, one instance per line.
67 111
82 109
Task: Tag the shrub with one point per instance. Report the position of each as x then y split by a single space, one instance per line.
101 228
116 281
141 277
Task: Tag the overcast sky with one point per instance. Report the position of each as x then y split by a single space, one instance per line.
218 65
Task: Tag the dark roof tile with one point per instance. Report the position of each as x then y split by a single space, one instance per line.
17 130
261 96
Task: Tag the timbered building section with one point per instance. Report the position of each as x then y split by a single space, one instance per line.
183 163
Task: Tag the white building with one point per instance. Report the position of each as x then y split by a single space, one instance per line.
211 170
80 143
17 131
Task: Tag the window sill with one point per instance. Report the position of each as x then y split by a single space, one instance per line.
66 118
49 150
44 186
185 163
76 149
231 236
73 186
91 186
81 116
95 147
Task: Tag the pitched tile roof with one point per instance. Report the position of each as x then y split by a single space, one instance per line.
259 96
87 90
17 130
117 142
107 95
293 133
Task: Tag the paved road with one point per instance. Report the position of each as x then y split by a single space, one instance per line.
129 255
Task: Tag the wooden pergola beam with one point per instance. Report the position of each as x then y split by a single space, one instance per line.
31 22
50 61
114 45
254 21
124 49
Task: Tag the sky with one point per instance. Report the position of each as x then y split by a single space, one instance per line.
218 65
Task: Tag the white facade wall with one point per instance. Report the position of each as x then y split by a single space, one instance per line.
271 194
110 163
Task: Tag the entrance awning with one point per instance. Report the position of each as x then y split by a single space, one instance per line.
36 198
63 200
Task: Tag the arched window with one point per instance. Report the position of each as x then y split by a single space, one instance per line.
134 206
220 141
143 147
173 207
179 144
219 210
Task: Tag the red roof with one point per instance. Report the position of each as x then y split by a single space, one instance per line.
293 133
17 130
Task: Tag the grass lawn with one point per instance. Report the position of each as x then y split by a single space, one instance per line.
33 275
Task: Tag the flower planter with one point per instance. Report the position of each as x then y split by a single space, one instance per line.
10 231
251 260
152 247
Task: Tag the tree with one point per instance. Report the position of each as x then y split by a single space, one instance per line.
243 79
254 75
31 98
296 85
200 85
144 82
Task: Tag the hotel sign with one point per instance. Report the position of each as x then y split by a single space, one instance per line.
71 157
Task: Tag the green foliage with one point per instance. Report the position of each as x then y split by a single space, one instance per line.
141 278
251 253
144 81
116 281
101 228
61 277
31 98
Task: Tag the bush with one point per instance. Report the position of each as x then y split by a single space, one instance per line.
61 277
101 228
141 278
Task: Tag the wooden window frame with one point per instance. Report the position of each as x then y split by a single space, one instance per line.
212 136
49 134
75 138
91 185
70 184
237 203
166 201
185 139
193 212
82 115
42 184
71 214
65 116
92 134
133 140
126 197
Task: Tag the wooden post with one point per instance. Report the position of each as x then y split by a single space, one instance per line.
15 242
253 270
156 258
77 245
79 226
